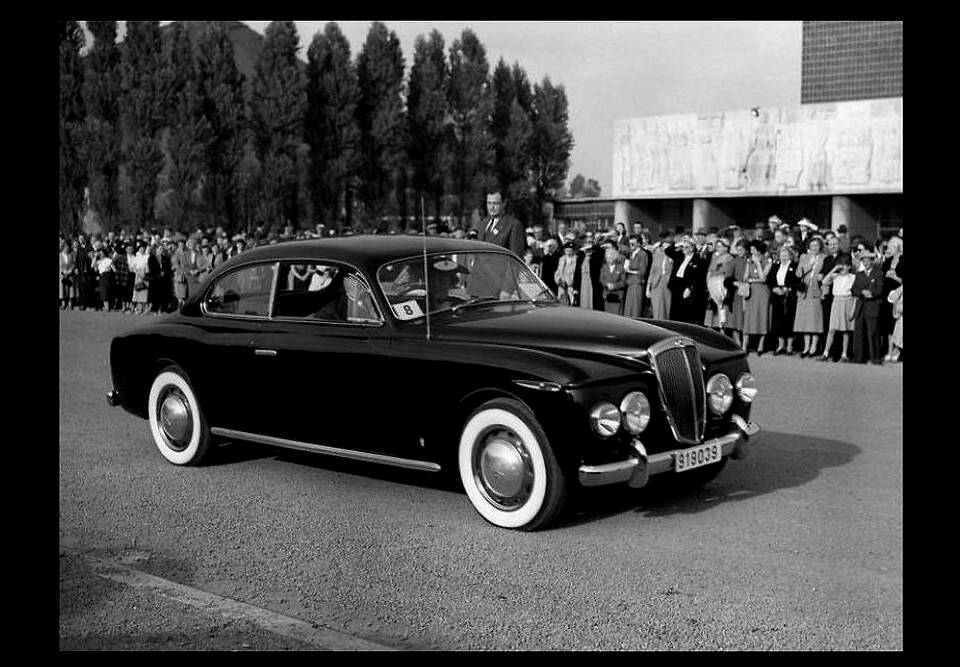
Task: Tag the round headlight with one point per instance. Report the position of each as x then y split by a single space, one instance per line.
747 387
605 419
719 393
636 411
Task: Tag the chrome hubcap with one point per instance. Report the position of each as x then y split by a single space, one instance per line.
175 419
502 469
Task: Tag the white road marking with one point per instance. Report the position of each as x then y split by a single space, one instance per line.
286 626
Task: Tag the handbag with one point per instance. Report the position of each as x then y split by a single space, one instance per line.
743 289
612 297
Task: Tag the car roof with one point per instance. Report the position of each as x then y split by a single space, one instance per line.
366 251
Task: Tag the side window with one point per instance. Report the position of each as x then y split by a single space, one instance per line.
243 292
323 292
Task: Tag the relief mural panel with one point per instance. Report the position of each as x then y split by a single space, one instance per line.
841 147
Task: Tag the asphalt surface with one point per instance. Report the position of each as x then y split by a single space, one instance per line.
799 546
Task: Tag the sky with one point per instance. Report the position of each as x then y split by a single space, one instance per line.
612 70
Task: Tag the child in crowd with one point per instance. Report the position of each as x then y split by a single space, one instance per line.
840 281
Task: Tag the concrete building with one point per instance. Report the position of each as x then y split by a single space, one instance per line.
837 159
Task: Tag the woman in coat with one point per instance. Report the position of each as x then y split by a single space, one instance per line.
756 307
614 280
809 316
636 267
783 283
661 268
738 269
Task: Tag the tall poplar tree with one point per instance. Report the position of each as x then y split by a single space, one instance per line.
73 170
380 115
142 118
512 130
428 120
333 92
551 144
471 109
189 129
278 108
221 92
101 133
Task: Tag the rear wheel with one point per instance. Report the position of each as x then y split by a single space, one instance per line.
508 468
176 421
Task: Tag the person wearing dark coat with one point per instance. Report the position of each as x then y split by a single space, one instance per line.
867 287
549 263
588 277
502 229
784 283
687 286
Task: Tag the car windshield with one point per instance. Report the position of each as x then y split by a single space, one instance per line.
458 280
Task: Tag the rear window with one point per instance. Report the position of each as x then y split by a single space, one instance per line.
245 292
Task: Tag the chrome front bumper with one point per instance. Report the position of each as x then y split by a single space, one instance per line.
636 469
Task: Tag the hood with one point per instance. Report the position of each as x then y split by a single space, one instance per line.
567 330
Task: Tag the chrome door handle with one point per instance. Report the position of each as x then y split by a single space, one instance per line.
265 353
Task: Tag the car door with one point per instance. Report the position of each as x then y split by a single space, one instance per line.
234 310
323 354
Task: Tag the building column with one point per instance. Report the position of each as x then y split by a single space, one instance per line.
626 212
707 214
845 211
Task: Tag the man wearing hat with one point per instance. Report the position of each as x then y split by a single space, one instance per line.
501 229
868 288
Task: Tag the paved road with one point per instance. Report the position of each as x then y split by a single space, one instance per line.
799 546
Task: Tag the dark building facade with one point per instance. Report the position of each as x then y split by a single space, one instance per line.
851 60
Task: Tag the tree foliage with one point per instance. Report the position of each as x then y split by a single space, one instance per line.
581 187
101 132
551 143
428 120
380 116
471 109
278 109
142 117
222 100
73 171
513 131
333 92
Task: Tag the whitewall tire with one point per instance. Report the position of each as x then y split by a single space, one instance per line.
176 422
508 468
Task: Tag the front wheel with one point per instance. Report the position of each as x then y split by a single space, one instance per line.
176 422
508 468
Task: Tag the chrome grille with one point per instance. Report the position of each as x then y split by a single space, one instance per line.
676 363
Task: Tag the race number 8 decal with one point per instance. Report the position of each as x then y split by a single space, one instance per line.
407 310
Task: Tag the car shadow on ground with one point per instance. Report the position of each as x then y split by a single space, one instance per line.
778 461
238 451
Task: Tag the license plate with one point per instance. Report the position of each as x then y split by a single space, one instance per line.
696 457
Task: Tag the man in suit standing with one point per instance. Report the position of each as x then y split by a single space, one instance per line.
503 230
867 287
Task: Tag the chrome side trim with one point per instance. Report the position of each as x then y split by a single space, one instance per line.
398 462
539 386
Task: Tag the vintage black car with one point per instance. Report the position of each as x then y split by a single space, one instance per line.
339 346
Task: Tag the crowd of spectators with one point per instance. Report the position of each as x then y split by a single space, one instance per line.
774 288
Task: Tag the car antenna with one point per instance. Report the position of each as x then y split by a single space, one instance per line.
426 280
